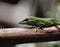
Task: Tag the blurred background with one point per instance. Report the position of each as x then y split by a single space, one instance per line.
15 10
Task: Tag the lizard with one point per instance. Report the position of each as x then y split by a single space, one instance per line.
40 22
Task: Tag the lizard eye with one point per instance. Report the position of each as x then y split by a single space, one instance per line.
26 19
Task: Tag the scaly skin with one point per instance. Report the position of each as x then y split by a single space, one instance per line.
40 22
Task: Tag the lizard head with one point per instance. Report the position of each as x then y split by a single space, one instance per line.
29 21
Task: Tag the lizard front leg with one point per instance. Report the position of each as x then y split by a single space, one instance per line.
40 26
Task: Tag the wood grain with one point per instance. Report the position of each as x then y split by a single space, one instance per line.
29 35
29 32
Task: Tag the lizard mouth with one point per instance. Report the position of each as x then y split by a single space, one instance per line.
23 22
32 23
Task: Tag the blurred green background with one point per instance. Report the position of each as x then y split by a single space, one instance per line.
54 12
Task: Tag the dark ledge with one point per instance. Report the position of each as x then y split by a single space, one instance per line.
29 35
10 1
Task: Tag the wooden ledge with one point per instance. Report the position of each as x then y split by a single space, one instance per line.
29 32
23 35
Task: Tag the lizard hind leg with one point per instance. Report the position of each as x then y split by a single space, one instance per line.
55 24
57 28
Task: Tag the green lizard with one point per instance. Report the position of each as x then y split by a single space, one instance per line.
40 22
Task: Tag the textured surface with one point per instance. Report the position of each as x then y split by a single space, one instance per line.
29 35
29 32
